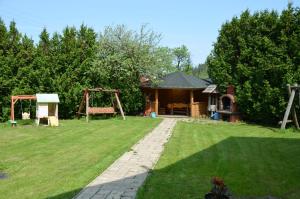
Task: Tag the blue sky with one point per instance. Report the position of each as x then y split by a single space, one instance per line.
190 22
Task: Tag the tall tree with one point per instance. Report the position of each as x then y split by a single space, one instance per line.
123 56
75 59
182 58
259 54
26 83
200 71
5 73
77 51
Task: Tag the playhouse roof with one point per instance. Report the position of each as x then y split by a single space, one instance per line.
47 98
182 81
212 88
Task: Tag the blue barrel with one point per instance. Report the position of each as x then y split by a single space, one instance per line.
216 116
153 114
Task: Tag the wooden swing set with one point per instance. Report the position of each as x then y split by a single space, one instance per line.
14 99
98 110
292 90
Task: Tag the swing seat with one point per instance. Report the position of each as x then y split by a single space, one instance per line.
25 116
101 110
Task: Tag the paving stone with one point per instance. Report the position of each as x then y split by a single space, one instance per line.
102 194
123 178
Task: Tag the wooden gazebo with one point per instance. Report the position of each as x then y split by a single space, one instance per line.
176 94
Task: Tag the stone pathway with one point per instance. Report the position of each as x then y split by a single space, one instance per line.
123 178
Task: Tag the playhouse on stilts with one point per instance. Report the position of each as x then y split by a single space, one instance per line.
46 108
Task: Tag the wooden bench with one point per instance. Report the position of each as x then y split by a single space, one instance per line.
179 108
101 110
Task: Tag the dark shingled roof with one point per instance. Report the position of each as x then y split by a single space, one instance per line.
181 80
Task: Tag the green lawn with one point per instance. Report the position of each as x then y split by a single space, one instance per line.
45 162
253 161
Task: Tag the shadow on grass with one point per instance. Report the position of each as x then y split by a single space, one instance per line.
251 167
122 188
275 127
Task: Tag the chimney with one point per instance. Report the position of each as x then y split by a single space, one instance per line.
230 90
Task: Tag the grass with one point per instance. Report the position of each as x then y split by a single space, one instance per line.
253 160
45 162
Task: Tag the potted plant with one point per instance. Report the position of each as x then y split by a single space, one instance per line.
219 190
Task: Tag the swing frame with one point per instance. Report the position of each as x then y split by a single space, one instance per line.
98 110
14 100
292 90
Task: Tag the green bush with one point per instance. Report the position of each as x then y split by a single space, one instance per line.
67 63
259 54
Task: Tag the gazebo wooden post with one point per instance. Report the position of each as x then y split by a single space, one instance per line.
156 101
87 106
192 102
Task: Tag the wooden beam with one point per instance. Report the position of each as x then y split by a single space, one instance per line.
87 106
13 101
103 90
295 119
12 109
156 101
82 104
192 102
24 97
288 109
120 106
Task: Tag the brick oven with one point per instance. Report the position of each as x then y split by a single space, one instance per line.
228 108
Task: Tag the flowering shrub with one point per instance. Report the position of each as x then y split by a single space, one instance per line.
219 190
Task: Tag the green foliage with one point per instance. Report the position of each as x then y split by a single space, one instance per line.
123 56
68 62
200 71
258 53
56 64
183 59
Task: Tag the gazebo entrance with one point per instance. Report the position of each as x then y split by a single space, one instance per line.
185 102
174 102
